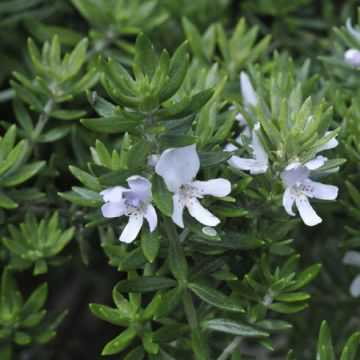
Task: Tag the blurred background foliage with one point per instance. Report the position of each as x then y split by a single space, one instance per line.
50 53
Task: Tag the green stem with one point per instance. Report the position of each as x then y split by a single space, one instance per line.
170 229
186 298
230 348
190 310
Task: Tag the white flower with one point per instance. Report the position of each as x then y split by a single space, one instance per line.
247 91
249 96
178 167
259 164
354 33
153 159
134 202
299 188
330 144
353 258
352 57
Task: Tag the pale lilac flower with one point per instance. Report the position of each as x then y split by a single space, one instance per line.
352 57
353 258
299 188
354 33
134 202
249 96
330 144
259 164
179 167
153 159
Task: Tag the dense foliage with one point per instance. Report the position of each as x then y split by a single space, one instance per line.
179 179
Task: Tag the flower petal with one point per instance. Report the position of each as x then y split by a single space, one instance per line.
294 176
240 118
153 159
355 287
177 216
260 153
288 200
332 143
215 187
113 194
352 258
113 209
151 217
230 147
320 191
306 211
294 165
316 163
202 215
247 90
178 166
140 187
247 164
132 228
354 33
352 57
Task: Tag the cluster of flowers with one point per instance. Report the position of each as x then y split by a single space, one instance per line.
178 167
295 176
352 56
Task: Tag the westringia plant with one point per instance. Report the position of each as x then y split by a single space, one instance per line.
195 202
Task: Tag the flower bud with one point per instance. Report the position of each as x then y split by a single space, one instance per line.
352 57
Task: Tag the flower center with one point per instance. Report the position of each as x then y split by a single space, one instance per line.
187 192
133 205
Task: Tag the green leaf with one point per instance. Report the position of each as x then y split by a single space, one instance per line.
176 257
35 301
136 354
40 267
5 350
22 174
149 345
292 297
67 114
85 178
15 155
305 277
325 350
132 260
351 347
169 302
199 344
274 325
150 310
145 58
179 64
21 338
287 308
108 314
150 243
110 125
137 155
6 202
162 196
145 284
33 319
234 327
173 140
213 158
215 297
102 107
232 240
120 343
